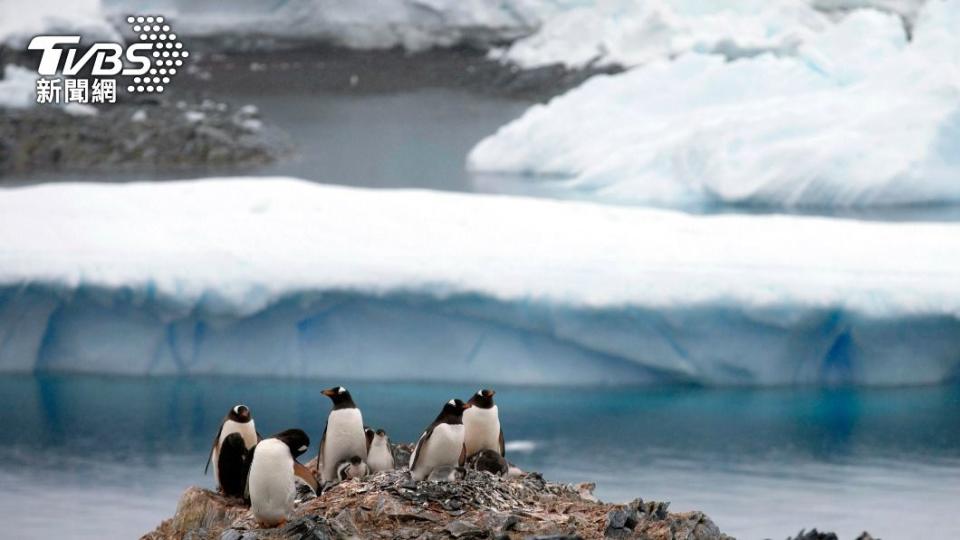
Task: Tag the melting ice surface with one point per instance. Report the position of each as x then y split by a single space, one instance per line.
110 456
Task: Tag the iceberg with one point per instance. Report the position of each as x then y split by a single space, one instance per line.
859 117
282 277
360 24
635 32
20 21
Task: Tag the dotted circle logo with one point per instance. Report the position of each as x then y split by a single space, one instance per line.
166 58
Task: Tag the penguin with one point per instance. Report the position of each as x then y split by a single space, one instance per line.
238 420
233 463
442 442
481 424
379 454
370 435
352 468
343 437
490 461
270 482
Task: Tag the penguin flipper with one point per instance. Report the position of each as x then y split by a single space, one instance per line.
503 449
463 454
306 475
420 444
246 485
323 441
213 447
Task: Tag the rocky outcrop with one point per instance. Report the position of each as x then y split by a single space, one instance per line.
159 136
480 505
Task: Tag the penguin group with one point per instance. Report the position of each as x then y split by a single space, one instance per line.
264 471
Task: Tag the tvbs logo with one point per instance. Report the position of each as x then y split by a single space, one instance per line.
147 65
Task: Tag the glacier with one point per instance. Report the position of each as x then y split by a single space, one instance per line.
282 277
860 116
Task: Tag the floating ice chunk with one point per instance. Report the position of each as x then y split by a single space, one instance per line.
268 276
858 118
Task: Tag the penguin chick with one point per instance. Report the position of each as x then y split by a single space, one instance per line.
441 443
271 479
447 473
343 436
354 467
488 460
481 424
379 455
238 420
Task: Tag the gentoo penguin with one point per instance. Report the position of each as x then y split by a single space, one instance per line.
271 479
354 467
481 423
240 421
233 464
442 442
344 435
379 455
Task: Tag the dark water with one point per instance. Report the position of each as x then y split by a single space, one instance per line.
108 457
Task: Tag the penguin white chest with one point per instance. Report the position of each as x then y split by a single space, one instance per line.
271 482
482 429
380 457
247 430
344 439
442 448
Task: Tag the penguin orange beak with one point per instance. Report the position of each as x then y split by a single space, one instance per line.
467 406
329 392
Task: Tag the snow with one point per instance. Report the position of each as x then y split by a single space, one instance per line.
635 32
274 276
362 24
859 117
18 88
21 21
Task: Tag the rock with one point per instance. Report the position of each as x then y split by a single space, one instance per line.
464 529
309 528
814 534
154 135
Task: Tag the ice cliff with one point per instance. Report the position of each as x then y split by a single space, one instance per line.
859 116
283 277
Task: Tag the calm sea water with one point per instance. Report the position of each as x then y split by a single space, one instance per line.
94 457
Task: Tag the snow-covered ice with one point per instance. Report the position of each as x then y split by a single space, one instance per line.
859 117
21 20
361 24
18 88
275 276
635 32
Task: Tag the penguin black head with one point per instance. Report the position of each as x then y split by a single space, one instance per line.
295 439
240 414
381 433
482 399
355 460
341 398
452 412
369 434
